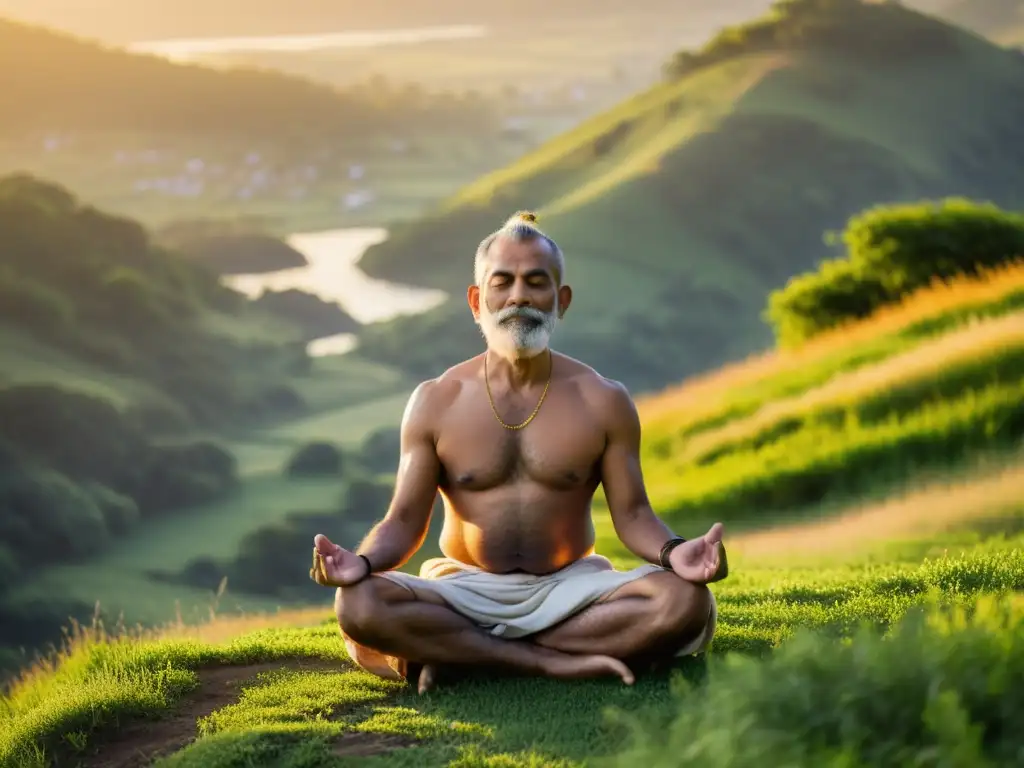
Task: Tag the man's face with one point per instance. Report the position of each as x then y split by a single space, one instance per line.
517 306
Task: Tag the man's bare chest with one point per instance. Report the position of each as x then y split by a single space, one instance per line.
561 448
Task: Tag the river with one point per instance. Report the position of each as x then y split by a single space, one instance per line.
332 275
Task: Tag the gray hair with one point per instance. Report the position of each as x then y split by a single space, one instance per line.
521 227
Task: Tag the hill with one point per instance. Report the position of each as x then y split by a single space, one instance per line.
936 563
77 85
126 370
681 209
160 141
111 345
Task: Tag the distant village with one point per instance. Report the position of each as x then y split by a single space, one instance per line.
169 172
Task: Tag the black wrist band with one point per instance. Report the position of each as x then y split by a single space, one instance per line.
369 567
667 549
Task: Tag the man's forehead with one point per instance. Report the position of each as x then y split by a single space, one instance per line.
518 256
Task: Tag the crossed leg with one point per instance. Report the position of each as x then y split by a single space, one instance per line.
654 615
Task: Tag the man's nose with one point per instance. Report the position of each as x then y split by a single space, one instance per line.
518 296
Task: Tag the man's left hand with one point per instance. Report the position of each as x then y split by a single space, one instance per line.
701 561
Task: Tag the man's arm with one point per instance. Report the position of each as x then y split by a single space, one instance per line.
395 539
637 526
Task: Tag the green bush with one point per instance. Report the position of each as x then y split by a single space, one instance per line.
183 475
33 306
368 500
908 246
48 518
939 690
840 291
890 252
315 459
380 451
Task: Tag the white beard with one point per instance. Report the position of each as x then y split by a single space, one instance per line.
525 337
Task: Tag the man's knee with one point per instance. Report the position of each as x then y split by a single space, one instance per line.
358 608
680 609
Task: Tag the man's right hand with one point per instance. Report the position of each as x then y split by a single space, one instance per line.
334 566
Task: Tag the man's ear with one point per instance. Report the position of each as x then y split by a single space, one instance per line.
564 299
473 299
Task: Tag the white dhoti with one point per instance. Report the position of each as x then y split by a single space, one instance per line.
515 605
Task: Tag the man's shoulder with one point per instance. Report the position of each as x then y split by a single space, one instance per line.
443 389
605 394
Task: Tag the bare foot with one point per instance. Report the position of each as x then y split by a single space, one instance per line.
428 678
569 667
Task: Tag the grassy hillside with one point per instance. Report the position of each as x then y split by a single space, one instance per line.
279 690
920 388
132 386
865 476
681 209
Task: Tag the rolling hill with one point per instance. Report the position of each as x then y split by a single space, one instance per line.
681 209
125 371
159 141
896 440
77 85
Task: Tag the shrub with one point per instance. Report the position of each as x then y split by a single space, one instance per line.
892 251
380 451
183 475
810 303
81 436
48 517
936 691
33 306
907 246
119 512
315 459
367 500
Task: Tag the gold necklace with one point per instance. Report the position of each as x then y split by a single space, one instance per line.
540 402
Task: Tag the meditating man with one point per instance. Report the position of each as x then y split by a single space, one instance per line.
517 440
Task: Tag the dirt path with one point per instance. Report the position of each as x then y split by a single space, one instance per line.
140 743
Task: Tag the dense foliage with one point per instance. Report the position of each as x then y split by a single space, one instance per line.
268 560
96 287
119 359
316 458
938 690
891 251
75 473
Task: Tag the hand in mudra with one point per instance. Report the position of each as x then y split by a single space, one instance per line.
701 561
334 566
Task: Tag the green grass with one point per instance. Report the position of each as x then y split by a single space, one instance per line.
294 716
920 388
681 208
